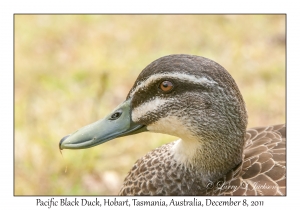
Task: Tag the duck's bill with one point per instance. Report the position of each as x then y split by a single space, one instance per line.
114 125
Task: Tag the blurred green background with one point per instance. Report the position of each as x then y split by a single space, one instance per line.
71 70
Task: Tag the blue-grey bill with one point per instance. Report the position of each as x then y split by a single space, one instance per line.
103 130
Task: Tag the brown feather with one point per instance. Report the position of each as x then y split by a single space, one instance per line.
262 171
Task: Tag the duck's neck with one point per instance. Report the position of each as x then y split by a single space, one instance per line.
213 158
212 152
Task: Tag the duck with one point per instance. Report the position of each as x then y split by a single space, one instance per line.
197 100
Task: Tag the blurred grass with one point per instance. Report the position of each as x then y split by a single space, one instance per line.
71 70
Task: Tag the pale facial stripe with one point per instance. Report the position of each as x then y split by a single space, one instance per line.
149 106
178 76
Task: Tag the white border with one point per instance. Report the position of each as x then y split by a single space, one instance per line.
8 8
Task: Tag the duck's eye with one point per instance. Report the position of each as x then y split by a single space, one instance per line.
166 86
116 115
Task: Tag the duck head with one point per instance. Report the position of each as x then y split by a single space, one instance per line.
187 96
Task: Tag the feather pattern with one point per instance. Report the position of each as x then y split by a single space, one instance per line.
261 172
